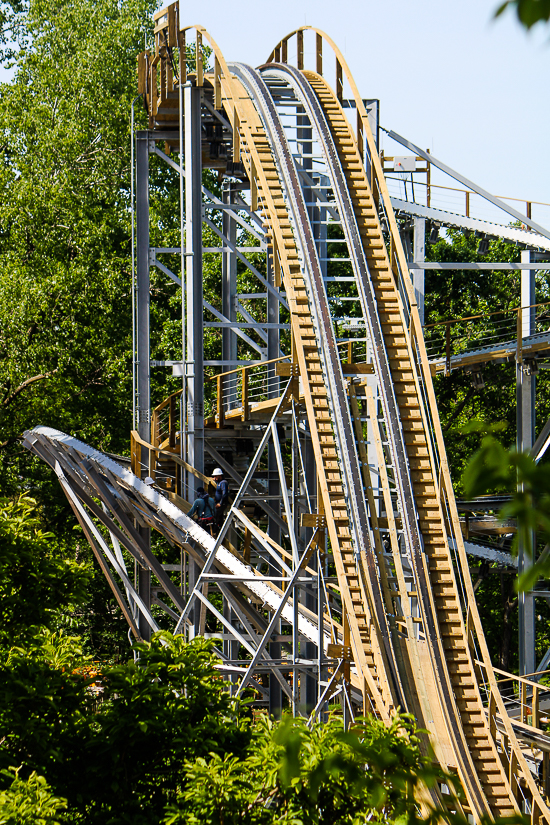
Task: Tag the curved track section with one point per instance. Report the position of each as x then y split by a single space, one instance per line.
424 534
332 371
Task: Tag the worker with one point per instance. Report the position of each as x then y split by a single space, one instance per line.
221 495
204 507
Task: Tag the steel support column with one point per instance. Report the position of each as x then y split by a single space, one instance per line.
142 355
525 398
195 332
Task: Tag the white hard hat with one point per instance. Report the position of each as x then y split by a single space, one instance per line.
217 472
149 480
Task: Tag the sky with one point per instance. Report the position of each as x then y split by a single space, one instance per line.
449 78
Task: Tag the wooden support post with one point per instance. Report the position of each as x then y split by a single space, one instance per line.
339 82
244 394
253 187
319 54
350 352
284 51
519 342
152 463
183 57
277 278
523 701
220 416
360 136
172 422
492 716
300 48
154 429
529 207
535 708
277 53
546 773
198 59
135 453
467 204
448 349
236 137
513 773
217 85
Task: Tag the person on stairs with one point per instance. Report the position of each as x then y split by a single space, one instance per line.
204 507
221 495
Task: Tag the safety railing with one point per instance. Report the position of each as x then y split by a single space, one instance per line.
166 422
240 389
490 330
521 696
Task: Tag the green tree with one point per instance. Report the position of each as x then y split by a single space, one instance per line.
529 12
37 585
29 802
114 744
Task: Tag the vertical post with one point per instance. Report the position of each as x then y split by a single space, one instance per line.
419 256
273 383
194 316
311 651
229 281
525 400
142 283
428 182
273 529
143 576
193 214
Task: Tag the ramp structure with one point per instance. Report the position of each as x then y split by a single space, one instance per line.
340 570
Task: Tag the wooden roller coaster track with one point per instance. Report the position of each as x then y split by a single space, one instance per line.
434 663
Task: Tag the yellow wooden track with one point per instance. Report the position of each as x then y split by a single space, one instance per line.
437 676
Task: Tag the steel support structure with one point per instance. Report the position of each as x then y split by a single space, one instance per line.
525 407
193 221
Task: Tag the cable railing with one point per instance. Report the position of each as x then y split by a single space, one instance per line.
166 422
239 389
446 340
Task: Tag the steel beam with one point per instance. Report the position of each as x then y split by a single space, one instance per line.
143 391
194 315
419 253
525 399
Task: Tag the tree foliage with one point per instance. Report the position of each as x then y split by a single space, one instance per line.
529 12
36 582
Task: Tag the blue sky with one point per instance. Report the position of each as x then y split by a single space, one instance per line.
472 90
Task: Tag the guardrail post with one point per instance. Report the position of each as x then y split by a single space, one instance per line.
220 415
492 716
172 422
535 708
448 348
244 393
513 773
523 701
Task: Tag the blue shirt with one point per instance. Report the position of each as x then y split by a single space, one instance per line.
199 507
222 492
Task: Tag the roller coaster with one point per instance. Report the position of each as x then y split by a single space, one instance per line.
340 573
